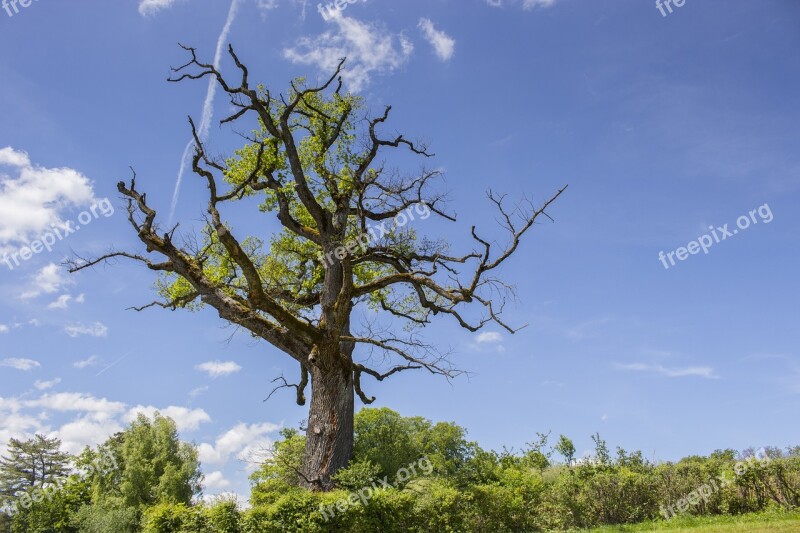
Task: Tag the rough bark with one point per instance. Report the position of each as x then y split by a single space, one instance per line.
329 437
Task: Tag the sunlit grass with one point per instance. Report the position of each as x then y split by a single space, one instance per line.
753 523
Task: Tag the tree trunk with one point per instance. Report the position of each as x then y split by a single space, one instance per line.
329 437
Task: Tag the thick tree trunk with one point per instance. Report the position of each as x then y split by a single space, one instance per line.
329 437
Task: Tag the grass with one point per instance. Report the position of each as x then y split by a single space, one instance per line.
784 522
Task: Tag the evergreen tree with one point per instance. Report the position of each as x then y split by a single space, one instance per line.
32 464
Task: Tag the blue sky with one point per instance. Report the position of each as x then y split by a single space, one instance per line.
662 125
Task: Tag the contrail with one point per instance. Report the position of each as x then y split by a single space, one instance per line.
208 107
114 363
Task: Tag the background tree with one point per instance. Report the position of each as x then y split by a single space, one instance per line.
32 464
153 466
566 448
315 161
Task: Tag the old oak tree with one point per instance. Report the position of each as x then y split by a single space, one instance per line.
316 160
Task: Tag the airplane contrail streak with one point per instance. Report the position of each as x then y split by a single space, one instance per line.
208 107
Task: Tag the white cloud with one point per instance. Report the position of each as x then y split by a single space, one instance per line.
94 419
62 302
100 408
44 385
34 198
95 330
194 393
185 419
266 5
20 364
16 425
12 158
216 369
489 337
369 50
91 361
533 4
443 44
241 441
151 7
49 279
86 431
696 371
216 481
526 4
3 328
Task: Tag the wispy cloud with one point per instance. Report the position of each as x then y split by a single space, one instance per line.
49 279
705 372
94 330
90 361
486 339
208 107
44 385
533 4
151 7
217 369
370 49
20 364
489 337
443 44
526 4
62 302
194 393
589 328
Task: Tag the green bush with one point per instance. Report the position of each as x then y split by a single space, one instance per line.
165 518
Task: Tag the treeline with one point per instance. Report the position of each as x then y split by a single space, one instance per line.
410 475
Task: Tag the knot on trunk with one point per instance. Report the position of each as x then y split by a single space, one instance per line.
312 357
